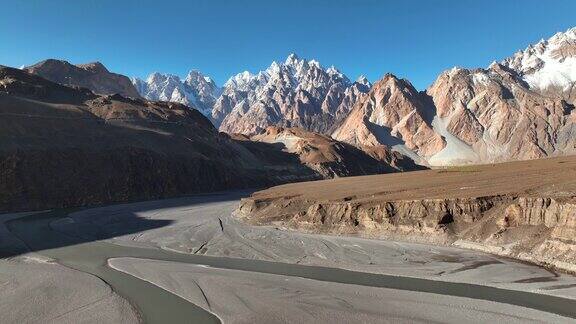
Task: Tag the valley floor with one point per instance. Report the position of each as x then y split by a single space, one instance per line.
167 256
37 289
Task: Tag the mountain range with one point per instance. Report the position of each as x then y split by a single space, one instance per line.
518 108
295 93
521 107
196 90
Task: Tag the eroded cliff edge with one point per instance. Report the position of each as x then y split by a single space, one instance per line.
525 210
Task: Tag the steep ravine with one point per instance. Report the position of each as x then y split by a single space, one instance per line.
530 228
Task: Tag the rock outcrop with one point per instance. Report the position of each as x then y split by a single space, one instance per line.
331 158
525 210
93 76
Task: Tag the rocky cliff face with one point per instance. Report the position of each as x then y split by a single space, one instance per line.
93 76
393 113
296 93
493 115
539 230
525 215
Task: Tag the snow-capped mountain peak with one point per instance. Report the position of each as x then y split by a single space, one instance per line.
274 67
336 74
156 77
196 90
314 63
548 64
292 59
297 92
241 80
332 71
363 81
195 76
293 71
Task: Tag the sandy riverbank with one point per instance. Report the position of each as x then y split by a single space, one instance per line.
251 297
204 225
36 289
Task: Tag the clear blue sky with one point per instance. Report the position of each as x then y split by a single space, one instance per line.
412 39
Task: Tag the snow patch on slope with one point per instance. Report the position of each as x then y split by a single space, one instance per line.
553 74
197 90
290 141
456 151
404 150
480 78
548 63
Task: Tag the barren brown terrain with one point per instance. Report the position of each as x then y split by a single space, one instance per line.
524 209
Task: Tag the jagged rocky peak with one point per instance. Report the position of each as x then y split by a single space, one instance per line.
297 92
395 114
363 81
196 90
393 82
245 81
549 65
292 59
293 71
198 80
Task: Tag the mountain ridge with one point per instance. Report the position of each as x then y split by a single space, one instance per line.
65 146
94 76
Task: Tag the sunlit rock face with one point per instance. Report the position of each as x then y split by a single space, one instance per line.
393 113
520 108
296 93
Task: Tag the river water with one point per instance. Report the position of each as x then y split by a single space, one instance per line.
157 305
